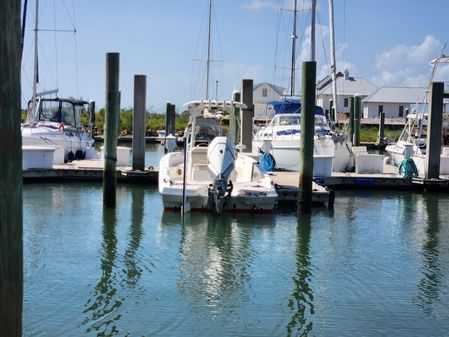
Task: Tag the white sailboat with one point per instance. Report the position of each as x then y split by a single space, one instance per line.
282 134
411 142
211 175
62 123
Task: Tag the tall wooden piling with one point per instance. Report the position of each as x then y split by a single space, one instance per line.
170 115
307 132
351 119
381 135
246 119
233 117
111 129
433 150
357 116
140 95
11 226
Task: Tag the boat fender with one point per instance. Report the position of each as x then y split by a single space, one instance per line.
230 187
79 154
61 127
70 156
268 162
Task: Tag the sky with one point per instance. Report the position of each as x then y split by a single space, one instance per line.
389 42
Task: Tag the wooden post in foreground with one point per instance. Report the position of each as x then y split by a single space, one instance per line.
433 148
246 131
140 94
306 141
111 130
11 225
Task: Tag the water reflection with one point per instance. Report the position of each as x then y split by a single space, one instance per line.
300 302
132 262
429 284
102 307
216 256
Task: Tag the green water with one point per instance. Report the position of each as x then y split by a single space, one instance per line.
378 265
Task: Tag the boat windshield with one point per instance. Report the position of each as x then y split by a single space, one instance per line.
206 129
70 112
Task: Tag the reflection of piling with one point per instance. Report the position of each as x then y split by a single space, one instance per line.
111 129
381 128
170 114
434 125
140 89
307 132
246 131
233 117
11 246
357 114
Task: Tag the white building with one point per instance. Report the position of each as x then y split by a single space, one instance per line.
347 86
395 102
262 94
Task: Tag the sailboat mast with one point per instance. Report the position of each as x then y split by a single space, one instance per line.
208 51
36 26
333 62
293 67
312 32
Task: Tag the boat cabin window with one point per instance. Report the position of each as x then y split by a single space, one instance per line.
49 111
81 115
67 112
289 120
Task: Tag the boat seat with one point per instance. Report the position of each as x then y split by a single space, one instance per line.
198 155
200 173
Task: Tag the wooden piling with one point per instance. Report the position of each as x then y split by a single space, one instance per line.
351 119
233 125
306 141
170 114
11 225
357 115
435 120
111 129
246 119
140 94
92 117
381 136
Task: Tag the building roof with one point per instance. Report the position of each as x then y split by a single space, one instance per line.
348 85
396 95
279 90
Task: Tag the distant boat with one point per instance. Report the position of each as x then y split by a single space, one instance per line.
63 123
412 140
281 136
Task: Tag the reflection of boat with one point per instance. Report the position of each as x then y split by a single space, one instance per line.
216 176
59 122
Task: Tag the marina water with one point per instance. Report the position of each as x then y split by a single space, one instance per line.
377 265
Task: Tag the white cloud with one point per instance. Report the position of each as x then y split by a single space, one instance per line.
409 65
302 5
260 4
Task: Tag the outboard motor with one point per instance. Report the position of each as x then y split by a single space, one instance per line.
221 162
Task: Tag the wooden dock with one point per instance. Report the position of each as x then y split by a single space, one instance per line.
286 182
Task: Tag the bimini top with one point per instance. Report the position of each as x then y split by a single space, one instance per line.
291 106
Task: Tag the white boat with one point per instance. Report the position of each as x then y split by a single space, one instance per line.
62 123
212 175
412 140
58 122
282 136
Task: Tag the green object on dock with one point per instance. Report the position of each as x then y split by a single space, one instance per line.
408 169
